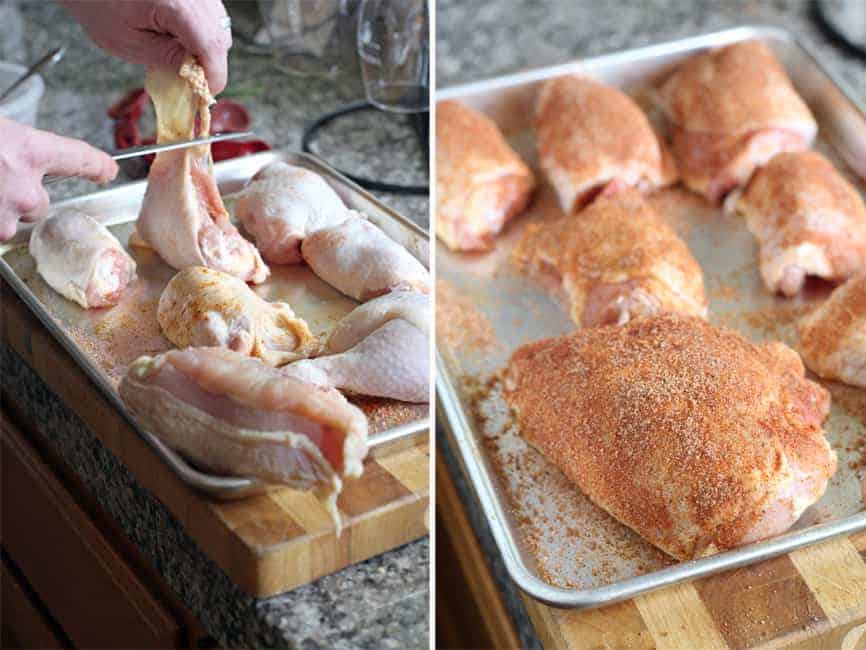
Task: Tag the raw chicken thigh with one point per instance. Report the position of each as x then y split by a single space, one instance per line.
282 204
833 337
80 259
361 261
732 110
617 260
233 414
691 435
808 220
182 216
589 135
380 349
203 307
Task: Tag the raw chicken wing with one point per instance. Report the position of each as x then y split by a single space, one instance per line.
617 260
282 204
808 220
203 307
80 259
691 435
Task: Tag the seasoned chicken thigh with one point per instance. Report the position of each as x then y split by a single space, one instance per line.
589 135
203 307
380 349
732 110
833 337
617 260
182 215
282 204
694 437
233 414
80 259
361 261
481 182
808 220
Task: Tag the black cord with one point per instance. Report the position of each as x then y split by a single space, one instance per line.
819 15
310 134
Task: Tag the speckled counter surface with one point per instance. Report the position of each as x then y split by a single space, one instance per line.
482 40
381 603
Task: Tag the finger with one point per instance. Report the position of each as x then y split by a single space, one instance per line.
32 203
55 154
8 226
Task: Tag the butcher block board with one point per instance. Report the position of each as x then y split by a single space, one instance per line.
266 544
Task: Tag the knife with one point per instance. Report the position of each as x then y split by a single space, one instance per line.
145 149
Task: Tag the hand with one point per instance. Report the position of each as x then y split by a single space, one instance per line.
160 32
26 156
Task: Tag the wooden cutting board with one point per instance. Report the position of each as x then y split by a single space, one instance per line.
267 544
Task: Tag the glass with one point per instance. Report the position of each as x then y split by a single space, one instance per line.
394 50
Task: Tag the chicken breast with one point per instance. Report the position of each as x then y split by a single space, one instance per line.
691 435
80 259
481 183
833 337
203 307
732 110
808 221
232 414
182 215
282 204
589 134
361 261
617 260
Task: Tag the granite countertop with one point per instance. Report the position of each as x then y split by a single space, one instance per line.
380 603
478 41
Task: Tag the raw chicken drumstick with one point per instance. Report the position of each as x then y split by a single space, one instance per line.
379 349
833 337
203 307
694 437
808 220
617 260
182 216
80 259
230 413
361 261
282 204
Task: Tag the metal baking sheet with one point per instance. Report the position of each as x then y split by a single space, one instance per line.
556 544
105 341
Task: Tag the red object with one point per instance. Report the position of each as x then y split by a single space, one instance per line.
126 133
131 105
226 149
227 116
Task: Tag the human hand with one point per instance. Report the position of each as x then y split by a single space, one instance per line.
161 32
26 156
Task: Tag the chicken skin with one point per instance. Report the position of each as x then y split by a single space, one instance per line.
80 259
617 260
182 215
732 110
361 261
833 337
589 134
203 307
234 414
808 220
691 435
282 204
380 349
481 183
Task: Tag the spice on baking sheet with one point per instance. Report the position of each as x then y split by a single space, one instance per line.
460 325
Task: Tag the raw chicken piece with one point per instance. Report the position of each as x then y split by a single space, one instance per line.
379 349
182 216
230 413
732 110
691 435
282 204
361 261
589 135
808 220
617 260
203 307
833 337
80 259
481 182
